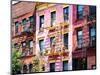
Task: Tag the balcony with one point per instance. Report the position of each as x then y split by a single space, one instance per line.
56 55
28 30
87 48
27 53
64 24
51 28
65 51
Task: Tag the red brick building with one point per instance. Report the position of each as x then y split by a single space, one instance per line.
23 32
84 37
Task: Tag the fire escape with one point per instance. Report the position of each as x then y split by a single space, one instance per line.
61 52
90 18
86 50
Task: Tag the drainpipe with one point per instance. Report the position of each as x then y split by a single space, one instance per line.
70 45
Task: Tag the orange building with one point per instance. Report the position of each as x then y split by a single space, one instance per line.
24 32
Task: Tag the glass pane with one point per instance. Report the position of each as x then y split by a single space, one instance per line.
31 19
79 33
92 10
31 44
52 67
51 40
24 44
16 27
93 31
16 24
65 65
24 22
41 43
66 10
66 40
42 21
53 15
79 39
80 7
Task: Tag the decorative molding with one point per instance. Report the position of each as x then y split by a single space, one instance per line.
44 6
64 5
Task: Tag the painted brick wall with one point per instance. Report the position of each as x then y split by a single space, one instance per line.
46 34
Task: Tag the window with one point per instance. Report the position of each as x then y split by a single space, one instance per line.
66 40
92 36
31 21
25 69
42 21
43 68
24 24
23 48
66 13
92 10
79 64
16 46
52 67
41 44
31 47
79 11
79 38
16 27
65 65
30 68
53 18
52 41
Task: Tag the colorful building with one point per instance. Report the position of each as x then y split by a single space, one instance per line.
53 32
24 32
84 37
61 36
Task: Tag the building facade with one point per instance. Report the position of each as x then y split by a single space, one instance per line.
61 36
84 37
24 32
52 31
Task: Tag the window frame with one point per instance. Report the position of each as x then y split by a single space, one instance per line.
92 36
64 67
80 12
31 48
24 48
65 44
53 65
66 15
24 24
41 48
79 38
92 11
53 18
51 41
16 27
31 21
41 21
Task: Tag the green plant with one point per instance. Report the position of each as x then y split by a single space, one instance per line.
35 63
16 62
